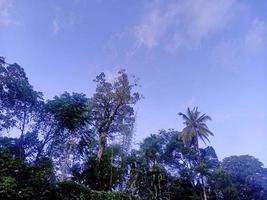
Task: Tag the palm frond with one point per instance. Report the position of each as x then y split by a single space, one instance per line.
204 138
190 114
185 118
203 129
194 121
204 118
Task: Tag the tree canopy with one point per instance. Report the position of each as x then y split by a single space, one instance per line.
78 147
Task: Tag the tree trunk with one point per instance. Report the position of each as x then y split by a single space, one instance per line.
111 170
21 140
67 159
102 145
204 189
202 180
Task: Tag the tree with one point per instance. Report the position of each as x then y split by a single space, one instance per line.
111 173
164 168
8 188
21 180
247 175
146 179
70 112
148 173
221 186
6 121
19 101
43 133
195 129
112 107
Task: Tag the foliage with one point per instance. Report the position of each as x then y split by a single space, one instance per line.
106 174
78 147
195 127
18 100
100 195
26 181
247 175
70 111
68 190
7 187
112 107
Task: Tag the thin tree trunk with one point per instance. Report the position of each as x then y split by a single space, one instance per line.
102 145
111 171
203 188
22 135
202 180
67 153
41 147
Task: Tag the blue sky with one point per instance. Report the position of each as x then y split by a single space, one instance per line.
205 53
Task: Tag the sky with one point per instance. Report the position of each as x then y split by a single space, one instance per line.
206 53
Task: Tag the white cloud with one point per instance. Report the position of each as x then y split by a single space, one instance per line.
182 22
154 26
235 53
55 26
62 20
5 6
256 38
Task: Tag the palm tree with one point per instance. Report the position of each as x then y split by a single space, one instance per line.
195 129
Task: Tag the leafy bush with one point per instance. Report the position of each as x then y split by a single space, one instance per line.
69 190
7 187
100 195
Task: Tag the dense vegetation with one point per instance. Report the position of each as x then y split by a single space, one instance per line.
79 147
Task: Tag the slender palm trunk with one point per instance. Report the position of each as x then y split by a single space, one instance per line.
202 179
203 188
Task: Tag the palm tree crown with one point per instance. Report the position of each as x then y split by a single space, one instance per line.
195 127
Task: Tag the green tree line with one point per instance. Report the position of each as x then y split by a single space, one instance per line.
79 147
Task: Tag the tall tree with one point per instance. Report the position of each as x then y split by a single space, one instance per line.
70 110
18 100
195 129
111 174
247 175
112 107
71 115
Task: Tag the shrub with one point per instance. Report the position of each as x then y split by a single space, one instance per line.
68 190
7 187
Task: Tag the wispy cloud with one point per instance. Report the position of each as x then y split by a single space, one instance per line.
236 52
256 38
229 53
5 6
62 20
183 22
55 26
